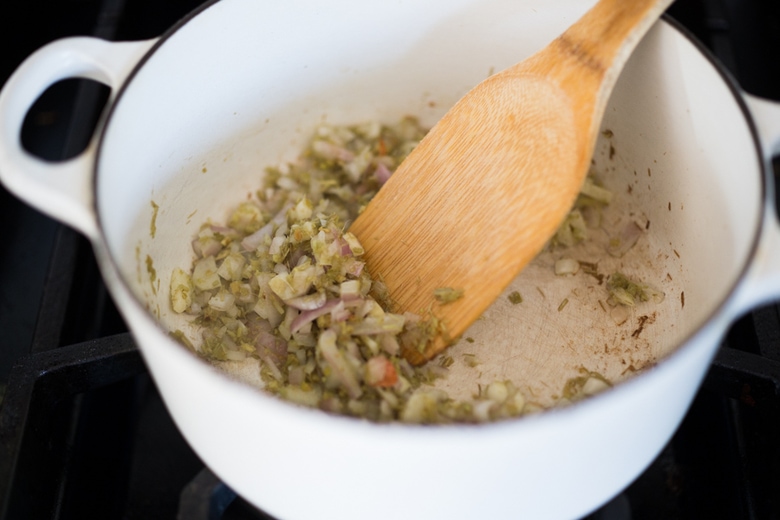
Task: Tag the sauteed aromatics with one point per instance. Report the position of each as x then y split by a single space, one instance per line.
282 281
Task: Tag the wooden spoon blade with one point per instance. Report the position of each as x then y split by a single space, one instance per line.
488 187
472 205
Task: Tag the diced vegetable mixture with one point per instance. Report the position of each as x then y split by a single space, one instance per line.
282 281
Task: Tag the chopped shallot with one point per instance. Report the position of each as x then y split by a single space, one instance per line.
382 173
566 266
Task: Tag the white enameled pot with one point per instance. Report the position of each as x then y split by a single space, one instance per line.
194 117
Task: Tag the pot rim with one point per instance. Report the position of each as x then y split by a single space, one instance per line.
687 343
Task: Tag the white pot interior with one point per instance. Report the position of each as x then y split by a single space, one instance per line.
242 87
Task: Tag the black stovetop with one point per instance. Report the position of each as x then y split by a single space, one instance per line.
83 432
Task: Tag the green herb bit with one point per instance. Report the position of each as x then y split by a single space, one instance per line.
572 231
596 192
153 224
624 291
446 361
515 297
447 294
471 360
150 270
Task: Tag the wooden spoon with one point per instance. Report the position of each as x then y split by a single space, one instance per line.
492 181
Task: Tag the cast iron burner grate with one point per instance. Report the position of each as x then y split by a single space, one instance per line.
84 433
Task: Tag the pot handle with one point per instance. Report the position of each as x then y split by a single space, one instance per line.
762 281
62 190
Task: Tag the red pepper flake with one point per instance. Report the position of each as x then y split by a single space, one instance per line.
381 372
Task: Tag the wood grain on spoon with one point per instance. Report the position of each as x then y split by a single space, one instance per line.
489 185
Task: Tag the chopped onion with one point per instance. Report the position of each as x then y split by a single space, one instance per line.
482 410
253 241
594 385
341 368
389 323
204 274
328 150
349 289
592 190
274 346
300 396
497 391
293 291
311 315
181 290
223 301
232 267
620 314
628 238
382 173
206 246
266 359
566 266
308 302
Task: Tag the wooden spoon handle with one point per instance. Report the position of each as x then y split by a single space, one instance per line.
588 57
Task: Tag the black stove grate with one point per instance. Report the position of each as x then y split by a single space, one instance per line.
84 433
